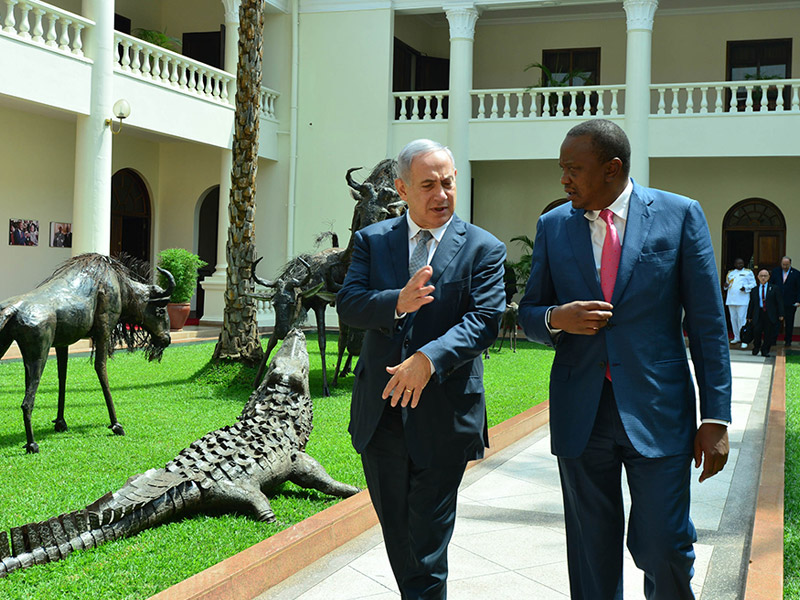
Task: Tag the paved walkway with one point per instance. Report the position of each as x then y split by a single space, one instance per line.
509 539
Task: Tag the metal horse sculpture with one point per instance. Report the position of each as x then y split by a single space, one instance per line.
93 296
226 470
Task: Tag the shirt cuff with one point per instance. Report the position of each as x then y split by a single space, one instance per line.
547 322
433 369
716 421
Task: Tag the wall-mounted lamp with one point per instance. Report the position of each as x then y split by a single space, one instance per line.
121 110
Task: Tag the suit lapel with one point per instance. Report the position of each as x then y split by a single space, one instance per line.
637 227
581 241
452 242
397 240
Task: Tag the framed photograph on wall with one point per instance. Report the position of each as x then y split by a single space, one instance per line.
60 235
23 232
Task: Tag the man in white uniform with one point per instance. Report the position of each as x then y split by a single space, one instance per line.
738 282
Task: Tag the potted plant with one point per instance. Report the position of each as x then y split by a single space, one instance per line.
158 38
183 265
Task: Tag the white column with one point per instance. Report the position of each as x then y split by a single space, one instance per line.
214 285
91 205
462 38
640 15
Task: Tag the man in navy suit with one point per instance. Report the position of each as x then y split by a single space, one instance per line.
787 279
428 289
764 312
612 272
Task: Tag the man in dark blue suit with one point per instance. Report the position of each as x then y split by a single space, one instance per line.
428 289
612 272
765 311
787 279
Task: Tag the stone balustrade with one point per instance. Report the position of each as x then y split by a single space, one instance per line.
45 25
769 95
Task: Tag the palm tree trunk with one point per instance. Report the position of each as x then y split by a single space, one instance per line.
239 339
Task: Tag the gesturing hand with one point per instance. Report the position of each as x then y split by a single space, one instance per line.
584 317
711 442
408 380
416 293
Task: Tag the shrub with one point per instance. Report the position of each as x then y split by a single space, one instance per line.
183 266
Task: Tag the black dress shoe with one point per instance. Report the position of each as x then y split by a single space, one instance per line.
765 355
755 351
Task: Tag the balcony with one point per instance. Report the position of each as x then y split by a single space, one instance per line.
721 118
170 95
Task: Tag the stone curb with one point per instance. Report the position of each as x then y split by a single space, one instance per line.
765 573
253 571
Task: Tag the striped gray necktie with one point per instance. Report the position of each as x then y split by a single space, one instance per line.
419 258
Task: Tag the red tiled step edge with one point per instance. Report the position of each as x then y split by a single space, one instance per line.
253 571
765 574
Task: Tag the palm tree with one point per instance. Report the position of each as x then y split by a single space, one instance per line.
239 339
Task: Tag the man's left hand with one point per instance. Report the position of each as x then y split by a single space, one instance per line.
408 380
711 442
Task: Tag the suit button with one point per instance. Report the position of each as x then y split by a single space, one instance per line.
609 325
406 343
602 365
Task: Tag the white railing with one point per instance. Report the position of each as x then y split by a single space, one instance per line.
45 25
547 102
268 99
420 106
772 95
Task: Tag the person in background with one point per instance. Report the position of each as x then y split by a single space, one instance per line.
787 279
765 311
738 282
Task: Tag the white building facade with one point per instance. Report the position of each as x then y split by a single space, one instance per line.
704 88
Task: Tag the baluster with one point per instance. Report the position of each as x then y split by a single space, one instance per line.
689 100
481 106
192 78
125 62
50 36
518 114
506 105
749 102
136 59
147 52
77 41
674 110
703 100
586 106
734 106
795 98
764 101
172 67
10 24
218 86
718 103
545 104
493 114
63 41
225 91
600 108
272 100
209 88
38 30
779 100
439 110
614 102
415 107
573 103
24 25
183 82
560 105
662 92
427 100
403 115
156 71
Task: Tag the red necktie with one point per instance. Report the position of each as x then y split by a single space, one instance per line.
763 297
609 262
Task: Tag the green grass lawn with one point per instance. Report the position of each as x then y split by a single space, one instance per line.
791 518
164 407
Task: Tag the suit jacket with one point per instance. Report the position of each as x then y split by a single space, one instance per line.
448 426
790 289
666 266
773 303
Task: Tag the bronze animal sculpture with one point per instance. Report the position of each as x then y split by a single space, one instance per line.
508 326
228 469
89 295
310 281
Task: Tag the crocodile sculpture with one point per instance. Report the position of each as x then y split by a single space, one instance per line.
225 470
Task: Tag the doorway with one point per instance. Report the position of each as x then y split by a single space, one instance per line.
755 231
207 227
130 215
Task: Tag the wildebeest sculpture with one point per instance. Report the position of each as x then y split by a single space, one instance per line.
310 281
508 326
92 296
